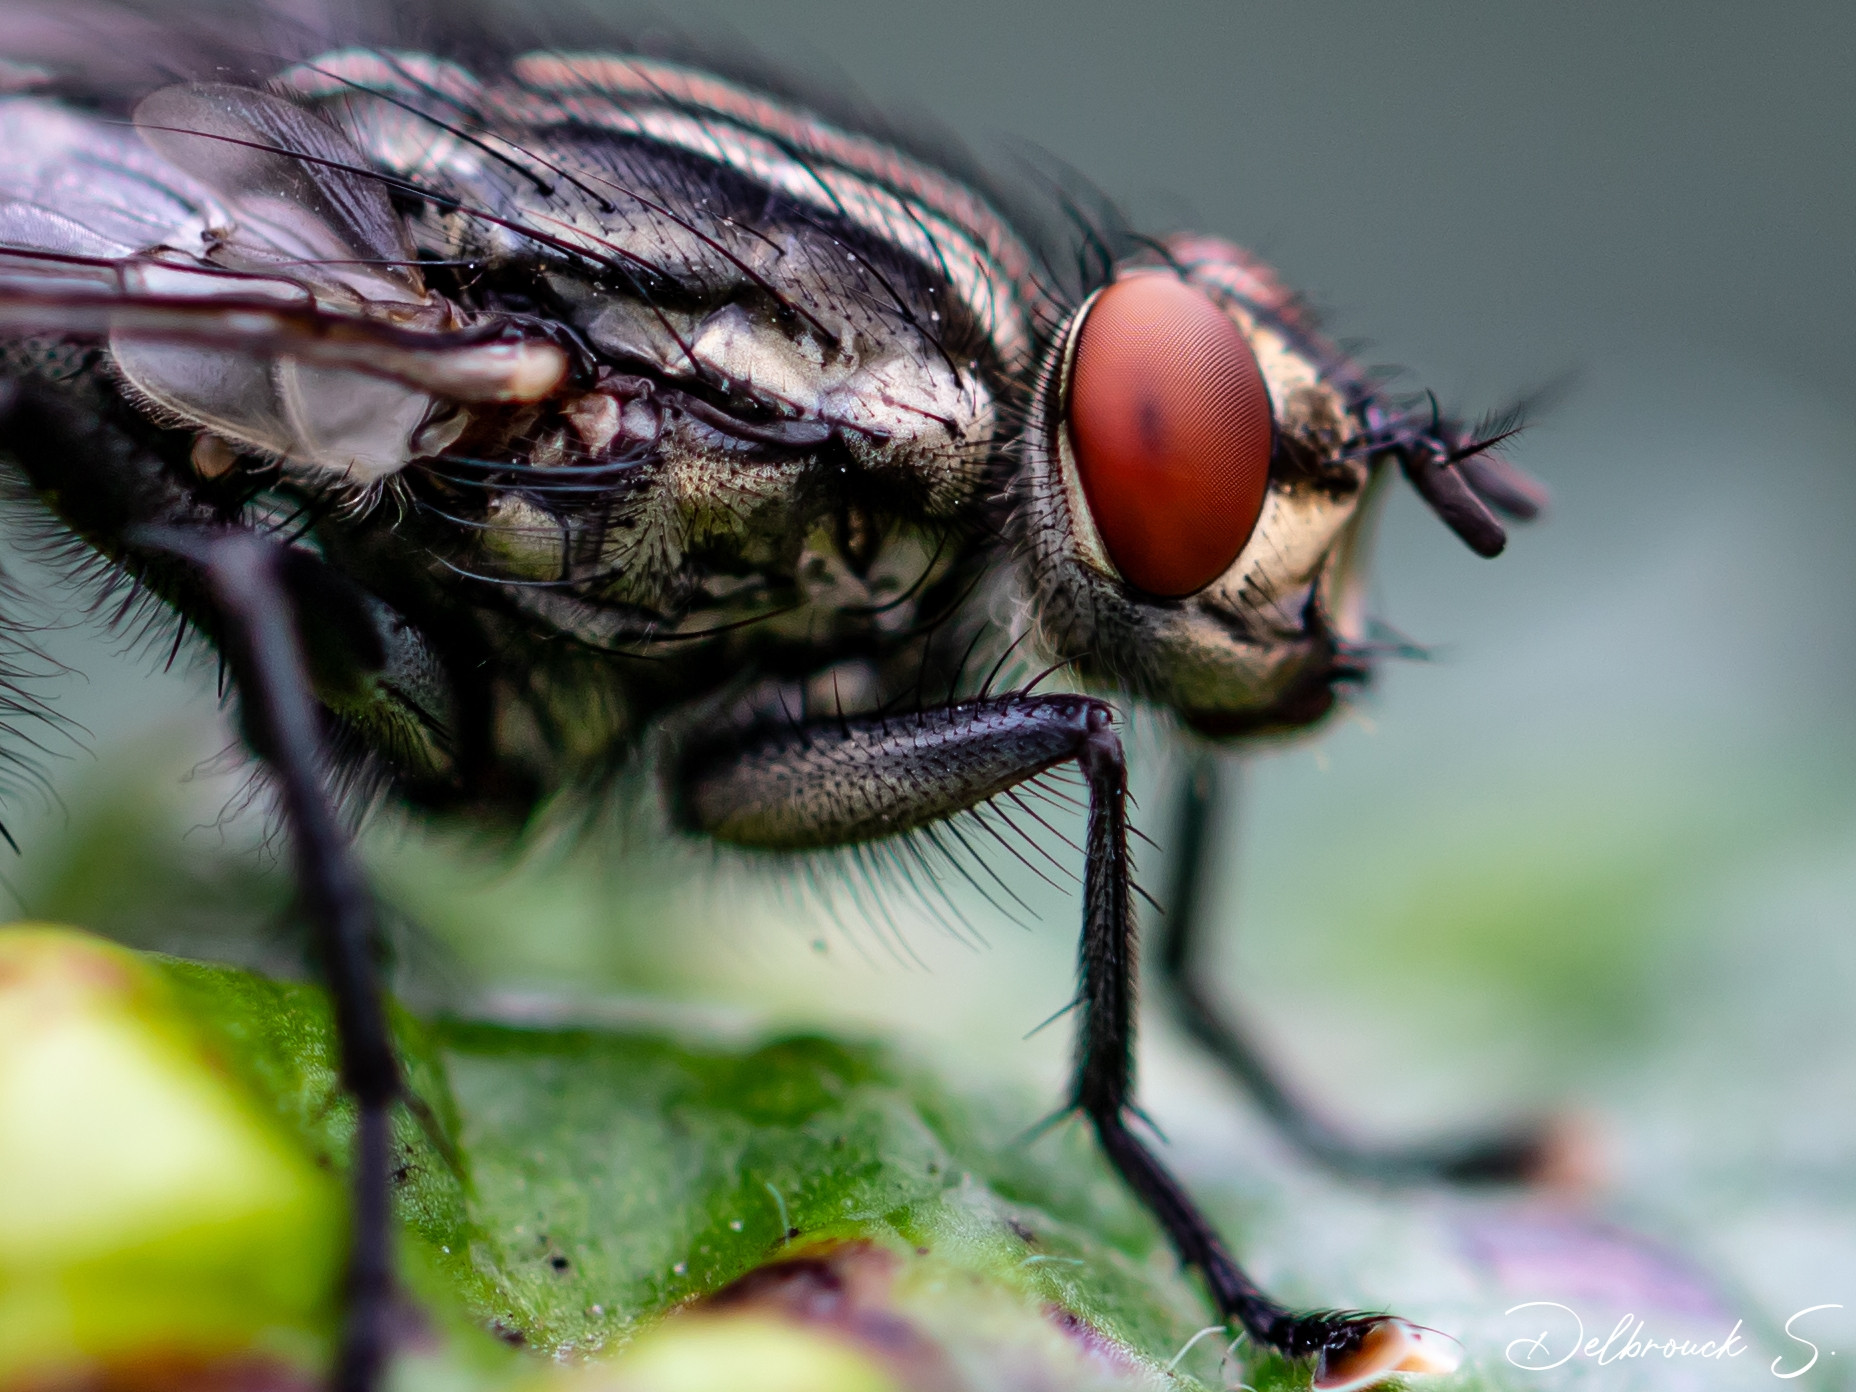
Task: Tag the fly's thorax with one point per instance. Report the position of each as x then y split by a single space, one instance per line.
785 296
672 507
764 366
827 291
893 402
1255 643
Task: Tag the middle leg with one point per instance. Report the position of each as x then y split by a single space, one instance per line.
843 781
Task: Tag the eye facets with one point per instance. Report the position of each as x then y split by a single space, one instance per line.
1171 427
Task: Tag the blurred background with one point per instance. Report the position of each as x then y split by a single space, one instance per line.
1597 858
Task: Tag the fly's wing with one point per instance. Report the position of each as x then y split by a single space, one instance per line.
301 198
248 273
74 184
300 205
132 299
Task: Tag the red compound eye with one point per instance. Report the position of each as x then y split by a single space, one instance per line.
1171 427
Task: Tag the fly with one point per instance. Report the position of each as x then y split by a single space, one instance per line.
503 424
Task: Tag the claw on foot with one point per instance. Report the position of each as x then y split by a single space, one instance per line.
1389 1346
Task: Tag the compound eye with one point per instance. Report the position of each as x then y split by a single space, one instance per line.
1171 427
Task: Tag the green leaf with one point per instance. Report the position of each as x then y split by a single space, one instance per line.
821 1211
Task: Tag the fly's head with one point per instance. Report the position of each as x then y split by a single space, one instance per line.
1201 469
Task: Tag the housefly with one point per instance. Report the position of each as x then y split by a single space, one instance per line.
507 416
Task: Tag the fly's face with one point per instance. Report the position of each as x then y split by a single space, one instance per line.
1198 494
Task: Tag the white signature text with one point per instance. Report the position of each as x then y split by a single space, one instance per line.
1567 1339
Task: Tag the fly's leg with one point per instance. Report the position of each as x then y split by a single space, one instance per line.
244 580
844 781
1500 1158
277 614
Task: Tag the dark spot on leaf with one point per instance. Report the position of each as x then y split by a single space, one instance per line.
846 1287
558 1262
1092 1340
807 1285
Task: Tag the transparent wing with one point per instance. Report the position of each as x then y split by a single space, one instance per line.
191 306
79 184
299 195
248 274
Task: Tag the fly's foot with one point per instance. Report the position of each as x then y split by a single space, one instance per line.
1530 1154
1559 1153
1355 1351
1513 1159
1569 1155
1352 1349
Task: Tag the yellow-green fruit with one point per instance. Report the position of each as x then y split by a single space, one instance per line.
150 1209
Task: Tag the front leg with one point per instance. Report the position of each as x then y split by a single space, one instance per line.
843 781
107 476
243 572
